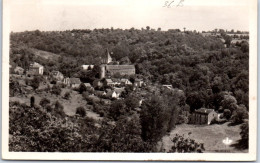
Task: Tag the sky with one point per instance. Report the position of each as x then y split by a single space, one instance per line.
49 15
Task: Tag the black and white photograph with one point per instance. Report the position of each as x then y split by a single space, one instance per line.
129 80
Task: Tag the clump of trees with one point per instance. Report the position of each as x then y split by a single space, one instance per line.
81 111
186 145
56 89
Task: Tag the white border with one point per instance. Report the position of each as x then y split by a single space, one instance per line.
251 156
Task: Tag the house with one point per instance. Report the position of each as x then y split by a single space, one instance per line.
168 86
119 91
75 82
100 93
138 83
87 67
97 83
57 75
88 86
203 116
117 82
125 82
35 69
66 81
19 70
109 82
112 94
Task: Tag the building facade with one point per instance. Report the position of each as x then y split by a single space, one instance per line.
35 69
203 116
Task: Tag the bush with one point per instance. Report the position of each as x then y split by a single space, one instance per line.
186 145
44 102
227 113
56 90
81 111
67 96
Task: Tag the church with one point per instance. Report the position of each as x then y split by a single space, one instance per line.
106 68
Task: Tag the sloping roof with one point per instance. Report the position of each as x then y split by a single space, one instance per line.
109 81
124 80
18 68
204 110
109 93
87 84
75 81
119 90
35 65
55 73
119 67
138 80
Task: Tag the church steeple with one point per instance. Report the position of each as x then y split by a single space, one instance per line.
107 58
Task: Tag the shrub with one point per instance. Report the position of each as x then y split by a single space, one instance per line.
227 113
56 90
44 102
186 145
67 96
81 111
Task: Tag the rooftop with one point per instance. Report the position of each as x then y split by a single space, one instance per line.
204 110
75 81
35 64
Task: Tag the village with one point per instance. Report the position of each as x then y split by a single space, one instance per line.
108 87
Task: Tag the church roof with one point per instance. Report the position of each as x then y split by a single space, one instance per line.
118 67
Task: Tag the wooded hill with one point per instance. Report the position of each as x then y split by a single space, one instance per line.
201 66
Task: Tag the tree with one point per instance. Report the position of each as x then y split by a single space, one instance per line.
195 101
56 90
227 113
67 95
82 88
239 115
35 82
81 111
229 102
117 109
244 141
186 145
132 102
44 102
58 109
32 101
154 118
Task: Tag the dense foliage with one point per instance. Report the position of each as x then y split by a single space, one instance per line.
202 72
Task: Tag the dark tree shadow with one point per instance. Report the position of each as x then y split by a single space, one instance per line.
240 144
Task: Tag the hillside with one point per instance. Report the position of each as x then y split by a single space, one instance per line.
181 73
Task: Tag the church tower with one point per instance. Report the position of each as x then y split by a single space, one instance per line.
107 58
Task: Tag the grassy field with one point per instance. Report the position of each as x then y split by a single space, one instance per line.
210 135
70 105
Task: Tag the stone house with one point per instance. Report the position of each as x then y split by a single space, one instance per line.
75 82
19 70
35 69
58 76
203 116
138 83
97 83
109 82
112 94
126 82
87 67
66 81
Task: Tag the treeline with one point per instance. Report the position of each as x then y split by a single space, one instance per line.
46 128
200 66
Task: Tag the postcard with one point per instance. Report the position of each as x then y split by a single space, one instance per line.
129 80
